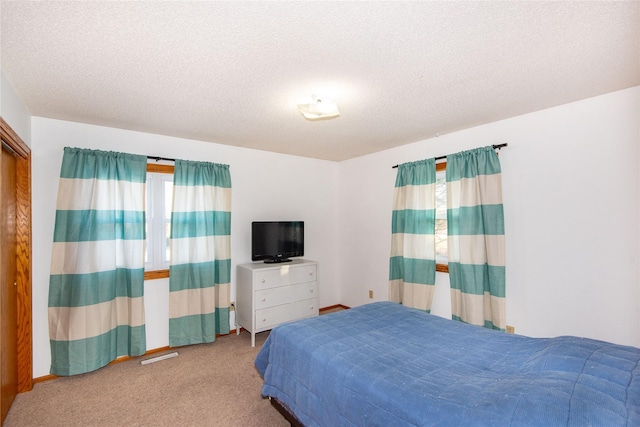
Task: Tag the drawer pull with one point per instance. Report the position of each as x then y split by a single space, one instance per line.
264 320
311 290
311 308
264 299
263 280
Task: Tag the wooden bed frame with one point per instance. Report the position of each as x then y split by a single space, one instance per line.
285 412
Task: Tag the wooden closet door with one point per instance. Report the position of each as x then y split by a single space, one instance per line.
8 279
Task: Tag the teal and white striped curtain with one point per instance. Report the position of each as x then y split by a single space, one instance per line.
200 272
476 249
96 308
412 270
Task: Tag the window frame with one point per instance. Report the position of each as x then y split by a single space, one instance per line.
440 267
157 273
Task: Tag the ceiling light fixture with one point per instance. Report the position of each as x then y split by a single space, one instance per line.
319 108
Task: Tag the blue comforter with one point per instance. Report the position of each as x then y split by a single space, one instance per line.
383 364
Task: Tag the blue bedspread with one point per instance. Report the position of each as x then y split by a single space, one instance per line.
383 364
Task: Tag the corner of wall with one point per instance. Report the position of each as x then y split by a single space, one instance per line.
13 110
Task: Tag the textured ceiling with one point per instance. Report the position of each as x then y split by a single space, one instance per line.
233 72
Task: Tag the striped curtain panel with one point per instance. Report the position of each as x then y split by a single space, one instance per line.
412 270
96 308
476 238
200 272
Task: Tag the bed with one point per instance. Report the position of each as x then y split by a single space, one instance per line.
383 364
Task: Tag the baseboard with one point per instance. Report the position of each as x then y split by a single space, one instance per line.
45 378
161 349
331 307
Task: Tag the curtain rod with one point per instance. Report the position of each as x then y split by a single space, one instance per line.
495 147
157 159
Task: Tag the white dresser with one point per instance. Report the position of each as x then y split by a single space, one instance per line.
270 294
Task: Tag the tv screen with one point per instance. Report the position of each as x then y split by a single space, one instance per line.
276 241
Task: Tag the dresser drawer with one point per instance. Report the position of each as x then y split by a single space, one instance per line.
267 318
285 275
285 294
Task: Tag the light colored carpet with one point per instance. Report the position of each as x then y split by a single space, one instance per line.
206 385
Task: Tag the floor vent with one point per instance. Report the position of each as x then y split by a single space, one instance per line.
159 358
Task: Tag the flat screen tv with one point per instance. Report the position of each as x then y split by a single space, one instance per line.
276 241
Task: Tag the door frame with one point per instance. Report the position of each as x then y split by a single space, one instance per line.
22 154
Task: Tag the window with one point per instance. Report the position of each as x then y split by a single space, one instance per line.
441 218
158 215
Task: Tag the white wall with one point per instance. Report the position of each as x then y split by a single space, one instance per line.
13 111
571 192
265 186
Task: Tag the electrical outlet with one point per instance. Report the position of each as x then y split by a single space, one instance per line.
511 329
370 294
232 307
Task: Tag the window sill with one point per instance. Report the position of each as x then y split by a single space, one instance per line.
442 268
157 274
